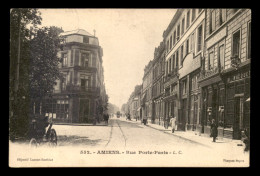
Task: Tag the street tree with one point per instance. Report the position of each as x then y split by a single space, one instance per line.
20 34
33 66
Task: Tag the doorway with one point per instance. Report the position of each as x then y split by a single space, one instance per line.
238 117
84 111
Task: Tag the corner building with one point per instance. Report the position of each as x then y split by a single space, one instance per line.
80 96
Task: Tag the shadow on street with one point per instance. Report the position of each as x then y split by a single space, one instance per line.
64 140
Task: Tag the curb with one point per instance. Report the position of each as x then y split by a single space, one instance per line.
176 135
180 137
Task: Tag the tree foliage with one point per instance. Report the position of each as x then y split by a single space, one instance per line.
38 66
44 62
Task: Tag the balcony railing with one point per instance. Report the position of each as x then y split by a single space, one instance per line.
172 74
75 88
208 73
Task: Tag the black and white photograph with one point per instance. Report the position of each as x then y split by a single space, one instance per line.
132 87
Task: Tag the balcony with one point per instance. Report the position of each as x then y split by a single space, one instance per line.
205 74
80 89
172 74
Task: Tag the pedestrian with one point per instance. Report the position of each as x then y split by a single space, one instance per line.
173 123
107 117
213 130
145 120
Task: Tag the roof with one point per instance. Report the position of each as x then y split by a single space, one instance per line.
173 21
77 31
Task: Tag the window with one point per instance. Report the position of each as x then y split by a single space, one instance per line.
188 20
178 32
236 44
171 42
249 40
199 38
167 46
221 57
63 84
71 77
173 61
212 21
85 60
193 15
181 57
174 37
85 39
170 64
192 47
65 60
71 58
184 87
211 60
222 16
187 47
182 26
84 83
166 68
177 59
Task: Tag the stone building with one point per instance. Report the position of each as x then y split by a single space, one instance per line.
225 77
146 101
81 96
158 82
184 51
134 103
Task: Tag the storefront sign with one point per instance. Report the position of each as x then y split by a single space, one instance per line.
190 64
239 75
218 36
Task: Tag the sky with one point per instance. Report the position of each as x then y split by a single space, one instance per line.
128 38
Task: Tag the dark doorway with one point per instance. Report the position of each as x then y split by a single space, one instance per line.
238 118
184 113
195 116
84 111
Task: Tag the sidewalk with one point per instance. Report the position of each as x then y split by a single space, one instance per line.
193 136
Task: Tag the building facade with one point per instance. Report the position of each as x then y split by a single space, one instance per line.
147 91
158 85
81 96
225 77
184 40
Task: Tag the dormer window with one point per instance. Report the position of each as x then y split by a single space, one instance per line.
85 39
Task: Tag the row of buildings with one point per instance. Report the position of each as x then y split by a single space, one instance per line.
200 71
81 96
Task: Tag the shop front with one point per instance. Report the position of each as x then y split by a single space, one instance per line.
189 92
237 114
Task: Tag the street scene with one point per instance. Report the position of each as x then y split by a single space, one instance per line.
129 87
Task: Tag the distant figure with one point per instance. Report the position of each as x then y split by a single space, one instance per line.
129 117
173 123
145 120
106 117
214 130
